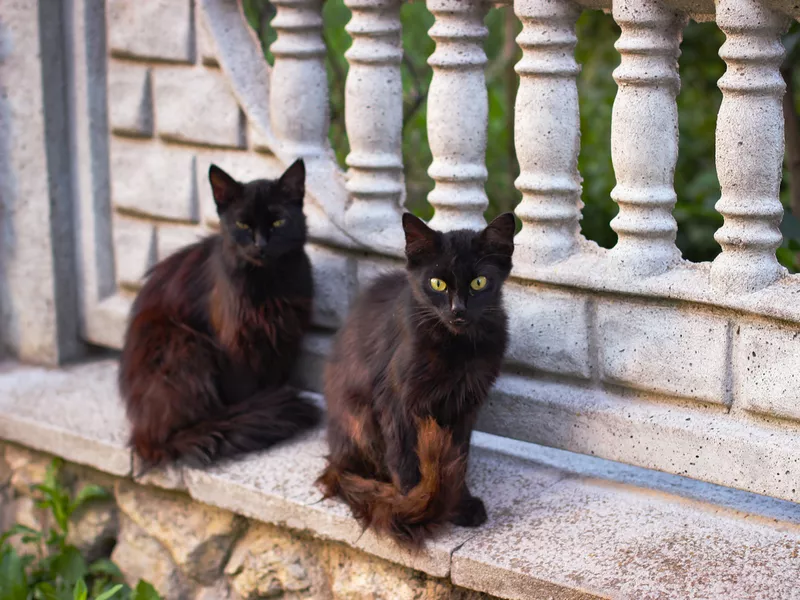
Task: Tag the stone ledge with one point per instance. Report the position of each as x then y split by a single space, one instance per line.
560 525
73 413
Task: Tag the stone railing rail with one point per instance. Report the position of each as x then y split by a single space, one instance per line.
631 354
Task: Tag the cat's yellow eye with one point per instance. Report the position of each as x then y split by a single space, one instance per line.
241 225
437 285
279 223
478 283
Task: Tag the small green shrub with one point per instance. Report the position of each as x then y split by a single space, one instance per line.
51 569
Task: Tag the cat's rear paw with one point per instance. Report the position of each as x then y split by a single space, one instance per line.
471 513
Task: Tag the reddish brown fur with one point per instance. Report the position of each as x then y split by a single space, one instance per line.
407 517
406 377
212 341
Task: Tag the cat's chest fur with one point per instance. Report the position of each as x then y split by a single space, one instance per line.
258 328
446 382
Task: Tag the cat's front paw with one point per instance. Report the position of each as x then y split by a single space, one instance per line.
471 513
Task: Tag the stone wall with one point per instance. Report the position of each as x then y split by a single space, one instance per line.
655 362
190 550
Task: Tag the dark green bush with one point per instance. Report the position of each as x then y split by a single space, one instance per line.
49 568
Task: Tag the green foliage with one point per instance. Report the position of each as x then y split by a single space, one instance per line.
696 181
49 568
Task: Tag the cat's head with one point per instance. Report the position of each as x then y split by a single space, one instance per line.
263 219
457 276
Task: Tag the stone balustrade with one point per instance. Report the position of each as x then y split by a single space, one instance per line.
631 354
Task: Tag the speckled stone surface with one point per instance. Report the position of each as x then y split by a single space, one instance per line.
606 539
73 412
277 487
561 525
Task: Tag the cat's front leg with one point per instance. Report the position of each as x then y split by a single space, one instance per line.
471 511
400 437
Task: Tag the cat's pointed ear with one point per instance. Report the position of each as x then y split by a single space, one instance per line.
421 240
224 187
292 184
498 237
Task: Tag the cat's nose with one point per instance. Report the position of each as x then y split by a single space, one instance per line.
261 243
458 308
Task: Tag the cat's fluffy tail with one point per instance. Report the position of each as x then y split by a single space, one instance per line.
411 517
253 424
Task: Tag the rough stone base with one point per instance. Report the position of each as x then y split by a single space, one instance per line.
189 550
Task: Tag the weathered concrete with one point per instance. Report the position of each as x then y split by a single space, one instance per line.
37 291
615 542
37 409
560 525
135 248
664 349
549 330
154 180
130 98
160 30
197 106
766 377
334 285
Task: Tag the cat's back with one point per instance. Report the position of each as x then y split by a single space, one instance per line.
373 324
178 281
379 306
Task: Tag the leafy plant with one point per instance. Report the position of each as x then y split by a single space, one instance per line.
52 569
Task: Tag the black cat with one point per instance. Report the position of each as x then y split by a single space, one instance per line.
216 329
408 372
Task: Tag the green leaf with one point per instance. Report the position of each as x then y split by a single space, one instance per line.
13 582
51 477
145 591
69 565
110 593
105 567
80 592
45 591
88 493
18 529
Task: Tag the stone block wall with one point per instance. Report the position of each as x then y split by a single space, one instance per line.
171 114
189 550
164 88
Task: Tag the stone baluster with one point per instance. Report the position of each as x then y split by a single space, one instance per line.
298 101
374 119
644 135
458 107
547 132
750 147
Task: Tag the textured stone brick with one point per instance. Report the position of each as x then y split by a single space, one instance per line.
134 249
549 329
197 105
334 285
94 529
198 537
172 238
358 576
130 98
767 369
154 179
28 468
244 166
256 141
308 372
269 562
663 349
206 48
370 268
140 556
157 29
